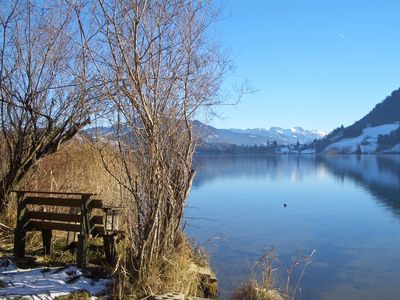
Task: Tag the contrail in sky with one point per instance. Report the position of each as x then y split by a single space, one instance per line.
341 36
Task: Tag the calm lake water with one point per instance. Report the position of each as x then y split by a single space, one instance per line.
347 208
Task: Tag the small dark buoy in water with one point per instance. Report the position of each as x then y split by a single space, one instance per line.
284 205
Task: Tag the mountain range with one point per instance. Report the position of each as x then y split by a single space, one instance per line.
377 132
256 136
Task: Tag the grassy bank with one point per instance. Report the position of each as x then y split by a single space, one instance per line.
78 167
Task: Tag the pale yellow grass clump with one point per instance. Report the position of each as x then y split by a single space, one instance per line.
173 272
76 167
266 289
251 290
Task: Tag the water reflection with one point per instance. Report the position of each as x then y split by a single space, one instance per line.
274 167
337 205
380 175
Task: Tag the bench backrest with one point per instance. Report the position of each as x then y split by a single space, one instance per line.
83 222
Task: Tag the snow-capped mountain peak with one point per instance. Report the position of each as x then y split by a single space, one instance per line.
259 136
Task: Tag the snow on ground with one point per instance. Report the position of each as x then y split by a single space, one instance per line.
367 141
45 283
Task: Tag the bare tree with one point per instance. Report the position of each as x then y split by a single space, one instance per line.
159 70
45 94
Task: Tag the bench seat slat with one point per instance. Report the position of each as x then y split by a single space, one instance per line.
53 201
42 225
67 202
51 216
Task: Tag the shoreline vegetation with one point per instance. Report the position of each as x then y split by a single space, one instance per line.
149 66
263 284
80 161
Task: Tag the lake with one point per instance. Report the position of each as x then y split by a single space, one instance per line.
347 208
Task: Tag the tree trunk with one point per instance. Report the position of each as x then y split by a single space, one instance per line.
6 186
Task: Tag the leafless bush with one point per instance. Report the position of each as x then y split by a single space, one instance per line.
45 84
154 68
158 70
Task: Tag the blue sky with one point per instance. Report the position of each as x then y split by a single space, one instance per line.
314 63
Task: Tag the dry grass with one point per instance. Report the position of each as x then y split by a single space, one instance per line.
266 288
75 296
78 167
251 290
262 289
75 167
173 272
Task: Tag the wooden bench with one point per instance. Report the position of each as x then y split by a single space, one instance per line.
87 217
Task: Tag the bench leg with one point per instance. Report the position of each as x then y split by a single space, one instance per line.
109 248
46 238
19 243
71 240
82 251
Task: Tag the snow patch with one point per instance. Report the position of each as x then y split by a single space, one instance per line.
46 283
320 133
367 141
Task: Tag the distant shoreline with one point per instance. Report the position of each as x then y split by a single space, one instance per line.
296 154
